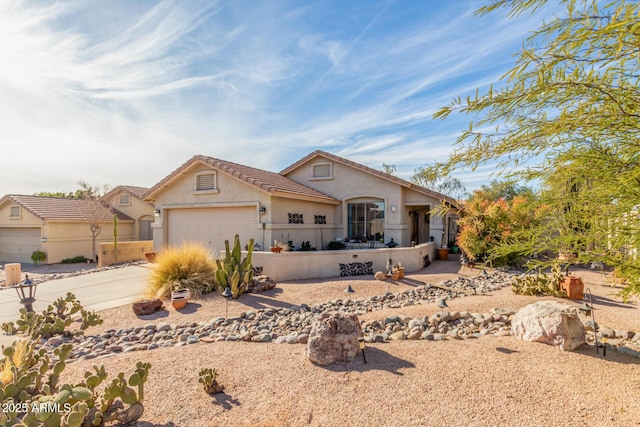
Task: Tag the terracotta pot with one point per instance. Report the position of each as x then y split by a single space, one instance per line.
179 303
276 249
443 254
150 256
574 287
395 275
400 273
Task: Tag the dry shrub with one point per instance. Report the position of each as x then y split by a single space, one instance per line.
189 266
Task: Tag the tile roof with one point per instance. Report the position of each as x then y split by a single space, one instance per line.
372 171
270 182
138 192
56 208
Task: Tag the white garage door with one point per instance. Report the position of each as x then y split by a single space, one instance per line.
211 226
17 244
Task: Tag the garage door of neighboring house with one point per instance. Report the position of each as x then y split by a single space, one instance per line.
17 244
211 226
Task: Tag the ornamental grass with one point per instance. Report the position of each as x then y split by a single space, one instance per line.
189 266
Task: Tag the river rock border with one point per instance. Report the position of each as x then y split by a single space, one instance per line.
292 325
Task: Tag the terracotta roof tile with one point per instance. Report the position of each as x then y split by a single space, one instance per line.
55 208
138 192
271 182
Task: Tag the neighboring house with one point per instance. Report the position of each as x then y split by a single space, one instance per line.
130 201
320 198
59 227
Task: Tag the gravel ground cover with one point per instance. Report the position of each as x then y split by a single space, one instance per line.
478 381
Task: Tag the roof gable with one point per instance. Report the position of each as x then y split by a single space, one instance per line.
366 169
269 182
137 192
57 208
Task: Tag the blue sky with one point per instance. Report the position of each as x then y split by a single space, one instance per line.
123 92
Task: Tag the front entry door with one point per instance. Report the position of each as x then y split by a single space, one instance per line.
420 221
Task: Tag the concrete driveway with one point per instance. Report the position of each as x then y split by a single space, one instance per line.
96 291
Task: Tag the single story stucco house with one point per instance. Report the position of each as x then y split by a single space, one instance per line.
318 199
59 227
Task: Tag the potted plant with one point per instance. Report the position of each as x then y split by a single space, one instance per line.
443 253
400 270
180 297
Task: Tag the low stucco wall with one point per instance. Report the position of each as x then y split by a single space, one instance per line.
321 264
127 251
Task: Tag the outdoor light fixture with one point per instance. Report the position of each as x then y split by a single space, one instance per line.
263 210
156 212
361 344
587 308
393 208
227 294
26 291
442 304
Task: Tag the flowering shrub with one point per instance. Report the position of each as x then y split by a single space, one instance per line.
488 222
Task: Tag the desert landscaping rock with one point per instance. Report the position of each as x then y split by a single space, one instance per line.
293 325
550 322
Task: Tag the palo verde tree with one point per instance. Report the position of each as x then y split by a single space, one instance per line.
446 185
567 115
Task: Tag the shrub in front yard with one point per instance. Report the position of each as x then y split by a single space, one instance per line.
189 266
74 260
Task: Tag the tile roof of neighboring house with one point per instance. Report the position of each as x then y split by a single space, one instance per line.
138 192
372 171
270 182
56 208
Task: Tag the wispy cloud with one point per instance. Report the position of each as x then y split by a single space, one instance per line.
102 90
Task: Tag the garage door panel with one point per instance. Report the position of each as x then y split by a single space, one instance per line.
17 244
211 226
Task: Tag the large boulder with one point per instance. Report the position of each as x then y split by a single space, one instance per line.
333 338
549 322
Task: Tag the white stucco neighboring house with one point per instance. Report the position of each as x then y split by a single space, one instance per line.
318 199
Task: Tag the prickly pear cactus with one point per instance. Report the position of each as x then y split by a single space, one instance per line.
30 394
208 378
54 320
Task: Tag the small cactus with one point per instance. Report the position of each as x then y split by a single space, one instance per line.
208 379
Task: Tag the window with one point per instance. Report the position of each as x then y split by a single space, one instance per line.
321 171
205 181
124 200
365 220
15 212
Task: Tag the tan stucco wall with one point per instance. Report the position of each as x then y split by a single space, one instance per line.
67 239
136 209
321 264
350 184
127 251
234 192
27 219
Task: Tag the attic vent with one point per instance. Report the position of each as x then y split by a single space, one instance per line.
124 200
321 170
206 182
15 212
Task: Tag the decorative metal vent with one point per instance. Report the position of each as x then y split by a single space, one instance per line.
295 219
